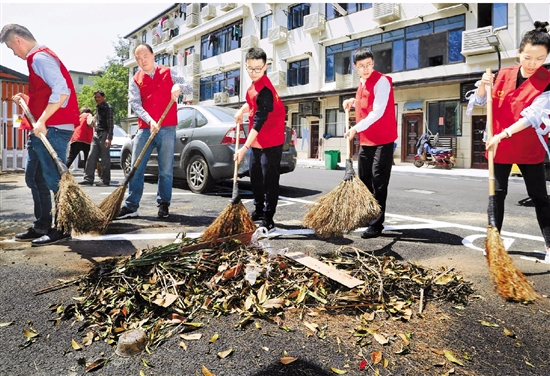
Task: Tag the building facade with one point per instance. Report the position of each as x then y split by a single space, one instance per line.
434 53
82 78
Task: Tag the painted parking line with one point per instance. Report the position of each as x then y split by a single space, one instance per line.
132 237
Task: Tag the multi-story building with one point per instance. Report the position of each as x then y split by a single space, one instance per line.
82 78
433 51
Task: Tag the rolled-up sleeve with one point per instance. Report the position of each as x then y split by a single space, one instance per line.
532 115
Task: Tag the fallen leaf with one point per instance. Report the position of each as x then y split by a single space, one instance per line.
273 303
487 323
380 338
5 323
288 359
183 346
438 352
444 279
338 371
404 338
97 364
141 373
214 338
75 345
313 327
529 364
363 364
145 364
192 336
509 333
206 372
223 354
449 355
376 357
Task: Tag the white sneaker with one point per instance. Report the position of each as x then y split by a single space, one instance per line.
547 258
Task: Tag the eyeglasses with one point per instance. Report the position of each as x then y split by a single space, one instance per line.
364 66
255 70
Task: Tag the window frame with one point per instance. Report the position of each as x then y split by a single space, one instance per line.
301 10
264 29
302 72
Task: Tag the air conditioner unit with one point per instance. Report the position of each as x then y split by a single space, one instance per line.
208 12
386 12
192 20
278 79
193 8
314 23
310 108
277 35
195 96
165 36
248 42
227 6
221 98
193 68
155 40
474 42
168 24
346 81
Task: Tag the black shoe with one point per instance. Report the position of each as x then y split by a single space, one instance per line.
126 213
84 182
28 235
257 215
268 224
53 236
163 210
371 232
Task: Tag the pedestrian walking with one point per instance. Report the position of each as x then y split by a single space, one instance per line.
101 142
52 101
82 137
520 95
150 92
266 136
377 128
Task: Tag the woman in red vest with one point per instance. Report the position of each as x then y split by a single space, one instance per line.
82 137
522 92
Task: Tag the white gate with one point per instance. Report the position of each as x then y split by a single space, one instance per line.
14 152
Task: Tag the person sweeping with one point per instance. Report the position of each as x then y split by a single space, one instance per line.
519 96
52 101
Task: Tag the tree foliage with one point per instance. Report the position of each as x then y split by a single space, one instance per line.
113 80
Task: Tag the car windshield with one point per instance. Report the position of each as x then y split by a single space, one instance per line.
119 132
225 114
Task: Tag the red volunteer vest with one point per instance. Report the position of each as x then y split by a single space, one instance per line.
384 130
82 132
523 147
273 130
39 94
155 96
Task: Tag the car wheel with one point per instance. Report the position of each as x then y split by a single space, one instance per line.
126 163
198 175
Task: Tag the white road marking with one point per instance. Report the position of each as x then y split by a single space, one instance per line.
131 237
420 191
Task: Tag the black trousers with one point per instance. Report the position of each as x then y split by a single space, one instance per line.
75 148
374 167
265 165
535 182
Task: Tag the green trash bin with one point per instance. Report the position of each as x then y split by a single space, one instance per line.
332 157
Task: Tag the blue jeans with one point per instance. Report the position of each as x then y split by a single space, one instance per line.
41 174
164 142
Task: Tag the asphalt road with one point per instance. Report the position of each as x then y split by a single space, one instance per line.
433 221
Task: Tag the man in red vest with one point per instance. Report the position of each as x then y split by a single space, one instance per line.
377 128
149 95
266 136
52 102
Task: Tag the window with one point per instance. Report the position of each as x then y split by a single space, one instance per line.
81 80
265 25
189 117
298 73
444 118
495 15
188 51
226 39
296 14
218 83
144 36
162 59
334 123
297 124
332 13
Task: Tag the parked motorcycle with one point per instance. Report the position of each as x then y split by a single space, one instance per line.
427 153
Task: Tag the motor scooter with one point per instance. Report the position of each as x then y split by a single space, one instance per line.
428 154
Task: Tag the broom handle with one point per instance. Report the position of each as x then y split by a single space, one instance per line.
61 168
237 137
491 151
350 139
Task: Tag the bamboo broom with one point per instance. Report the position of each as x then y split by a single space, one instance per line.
346 207
507 280
234 219
112 203
75 211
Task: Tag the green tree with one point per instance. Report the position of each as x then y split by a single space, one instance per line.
113 80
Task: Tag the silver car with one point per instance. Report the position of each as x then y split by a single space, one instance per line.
205 146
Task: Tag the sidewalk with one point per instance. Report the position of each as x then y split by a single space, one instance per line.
410 169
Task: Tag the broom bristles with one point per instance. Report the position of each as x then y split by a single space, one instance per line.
345 208
110 206
233 220
75 210
507 280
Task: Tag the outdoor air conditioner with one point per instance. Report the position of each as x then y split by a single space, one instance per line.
248 42
168 24
346 81
227 6
208 12
278 79
314 23
220 98
277 35
193 68
165 36
155 40
474 42
195 95
386 12
193 8
192 20
309 108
